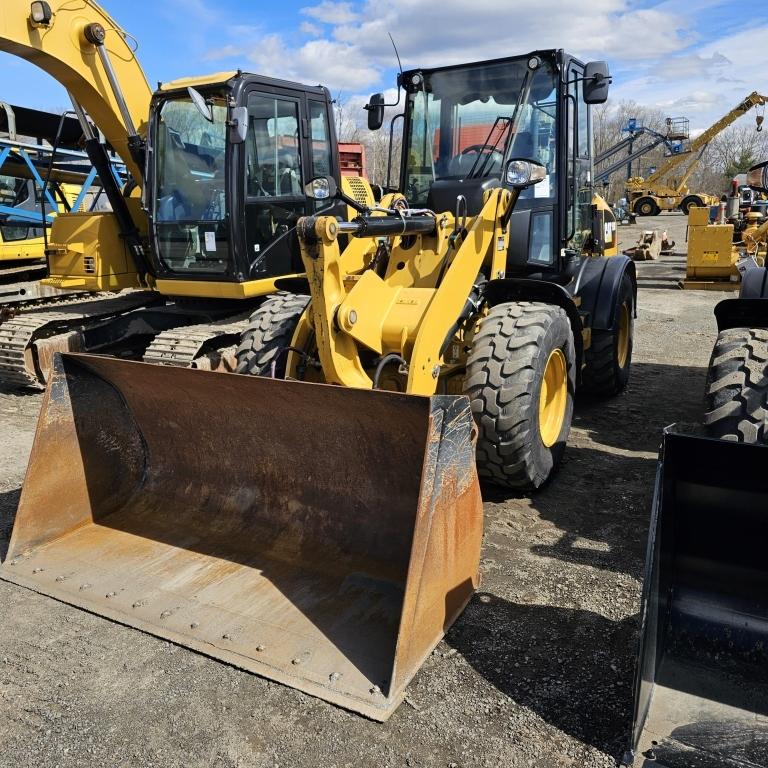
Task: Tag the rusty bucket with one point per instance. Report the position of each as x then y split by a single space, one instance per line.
318 536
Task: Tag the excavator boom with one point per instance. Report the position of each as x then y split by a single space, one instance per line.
62 49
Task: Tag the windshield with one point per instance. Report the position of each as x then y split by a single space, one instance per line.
190 203
461 123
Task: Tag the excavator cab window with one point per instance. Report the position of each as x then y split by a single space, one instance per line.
274 188
190 196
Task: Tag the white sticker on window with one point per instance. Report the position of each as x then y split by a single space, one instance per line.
542 188
210 241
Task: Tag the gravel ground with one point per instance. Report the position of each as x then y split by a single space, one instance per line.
537 671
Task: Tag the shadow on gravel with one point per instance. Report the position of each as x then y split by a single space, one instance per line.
572 667
659 394
9 503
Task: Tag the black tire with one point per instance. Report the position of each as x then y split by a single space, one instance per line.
736 394
646 206
692 201
270 330
505 368
606 365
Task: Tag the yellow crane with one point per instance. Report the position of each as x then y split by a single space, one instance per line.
662 191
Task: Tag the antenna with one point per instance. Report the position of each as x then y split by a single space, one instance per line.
399 63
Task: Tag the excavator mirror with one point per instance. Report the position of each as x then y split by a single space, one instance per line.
321 188
757 177
524 173
375 107
596 81
203 107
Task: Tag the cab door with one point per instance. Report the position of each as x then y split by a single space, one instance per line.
577 209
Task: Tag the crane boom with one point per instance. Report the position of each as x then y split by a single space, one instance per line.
62 49
702 140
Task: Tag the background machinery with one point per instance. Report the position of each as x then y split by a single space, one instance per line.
326 536
675 140
43 172
701 693
199 236
662 191
719 253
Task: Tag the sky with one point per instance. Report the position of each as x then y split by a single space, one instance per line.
691 58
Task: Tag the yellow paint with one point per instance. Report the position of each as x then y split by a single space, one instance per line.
197 80
211 289
404 312
553 397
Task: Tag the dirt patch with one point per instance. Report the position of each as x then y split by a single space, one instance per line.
537 672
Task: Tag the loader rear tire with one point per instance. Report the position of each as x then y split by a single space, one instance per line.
608 359
520 380
736 394
269 333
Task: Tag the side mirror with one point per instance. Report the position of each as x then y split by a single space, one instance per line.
596 81
238 124
321 188
375 107
757 177
203 107
524 173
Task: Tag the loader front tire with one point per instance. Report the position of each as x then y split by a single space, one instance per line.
520 380
268 335
646 206
692 201
736 394
608 359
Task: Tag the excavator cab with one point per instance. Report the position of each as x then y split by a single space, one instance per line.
229 156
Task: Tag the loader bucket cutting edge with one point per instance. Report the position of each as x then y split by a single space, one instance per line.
701 690
319 536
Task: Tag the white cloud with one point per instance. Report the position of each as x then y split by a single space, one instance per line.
317 61
331 13
307 28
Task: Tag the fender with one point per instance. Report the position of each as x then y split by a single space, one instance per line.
742 313
750 310
527 289
598 282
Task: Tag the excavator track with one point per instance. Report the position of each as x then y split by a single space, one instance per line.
20 362
199 345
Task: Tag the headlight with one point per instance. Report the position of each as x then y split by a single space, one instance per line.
518 173
318 189
523 173
40 14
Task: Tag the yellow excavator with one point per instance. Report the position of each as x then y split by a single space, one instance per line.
207 225
324 530
661 191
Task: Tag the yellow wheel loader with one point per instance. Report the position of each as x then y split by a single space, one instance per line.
207 225
325 530
701 692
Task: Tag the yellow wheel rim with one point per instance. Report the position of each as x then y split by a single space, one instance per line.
553 398
625 323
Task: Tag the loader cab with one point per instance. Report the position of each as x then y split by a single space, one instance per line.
461 123
226 167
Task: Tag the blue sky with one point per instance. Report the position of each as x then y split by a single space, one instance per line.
695 59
